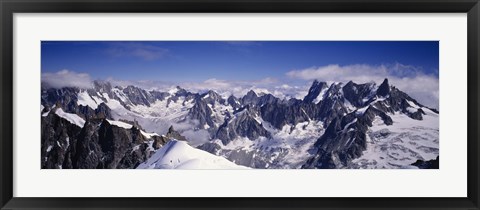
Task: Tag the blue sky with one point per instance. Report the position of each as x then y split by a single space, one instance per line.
202 60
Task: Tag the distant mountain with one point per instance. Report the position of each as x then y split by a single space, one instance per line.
334 126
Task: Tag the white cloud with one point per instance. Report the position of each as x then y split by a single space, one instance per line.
422 87
66 78
196 137
140 50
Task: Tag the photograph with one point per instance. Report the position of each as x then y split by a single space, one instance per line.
239 104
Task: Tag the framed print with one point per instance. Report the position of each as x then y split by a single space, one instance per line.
239 105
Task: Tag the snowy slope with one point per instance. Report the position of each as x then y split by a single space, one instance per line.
400 144
179 155
120 124
72 118
85 100
288 147
157 117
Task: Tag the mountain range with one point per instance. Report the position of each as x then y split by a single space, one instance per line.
336 125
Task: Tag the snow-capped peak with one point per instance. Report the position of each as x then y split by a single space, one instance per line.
179 155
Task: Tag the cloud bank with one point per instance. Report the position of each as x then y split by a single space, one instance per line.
67 78
424 88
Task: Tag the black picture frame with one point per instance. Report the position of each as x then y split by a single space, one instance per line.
9 7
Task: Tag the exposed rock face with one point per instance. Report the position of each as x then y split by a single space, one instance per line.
87 152
57 136
332 105
356 94
314 91
159 141
66 96
250 98
384 88
182 93
98 144
210 147
211 97
138 96
343 140
430 164
201 112
114 142
102 111
372 112
234 102
243 124
294 111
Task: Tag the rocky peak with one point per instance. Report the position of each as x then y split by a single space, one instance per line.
234 102
384 88
180 91
251 93
358 94
243 124
333 91
137 95
211 97
250 98
201 112
267 99
213 94
314 91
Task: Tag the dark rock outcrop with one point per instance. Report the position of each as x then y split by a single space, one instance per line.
429 164
98 144
358 95
251 98
384 88
202 113
343 140
243 124
211 97
58 136
159 141
314 91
